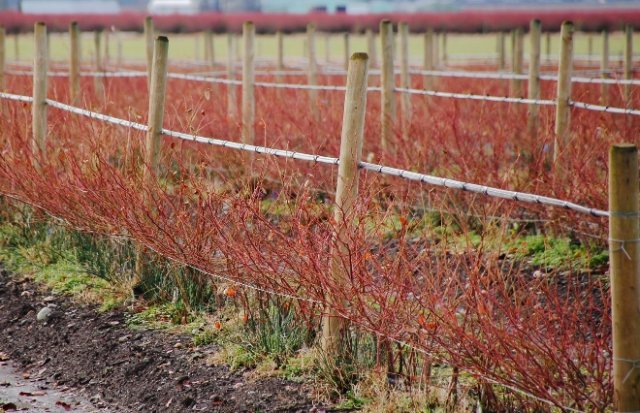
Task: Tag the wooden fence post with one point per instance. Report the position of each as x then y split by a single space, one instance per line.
517 89
209 49
312 74
327 48
428 57
2 57
279 58
628 62
355 103
149 35
513 49
16 46
387 78
196 46
445 51
624 264
280 51
232 102
39 106
347 50
97 80
563 109
371 48
534 77
107 53
405 78
157 92
502 62
248 81
120 58
74 63
548 45
237 45
604 68
436 51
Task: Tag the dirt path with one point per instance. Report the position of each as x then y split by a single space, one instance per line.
96 355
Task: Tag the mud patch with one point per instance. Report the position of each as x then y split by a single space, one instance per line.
99 357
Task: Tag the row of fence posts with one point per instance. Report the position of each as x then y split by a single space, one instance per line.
623 176
387 47
439 41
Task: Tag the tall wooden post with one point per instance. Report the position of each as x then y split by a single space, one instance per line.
107 53
624 264
2 57
209 49
534 77
312 74
280 50
74 63
355 103
347 50
196 47
628 62
517 89
16 46
120 58
445 51
604 68
97 80
405 79
388 101
428 57
436 51
148 36
548 45
237 44
157 94
502 61
371 48
39 106
232 102
563 109
248 83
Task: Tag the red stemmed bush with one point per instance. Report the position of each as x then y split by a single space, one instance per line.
472 307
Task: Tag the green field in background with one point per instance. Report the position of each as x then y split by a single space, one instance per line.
191 46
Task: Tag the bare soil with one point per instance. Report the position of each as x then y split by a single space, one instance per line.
96 356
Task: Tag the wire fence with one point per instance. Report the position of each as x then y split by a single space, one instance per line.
596 79
380 169
376 168
412 91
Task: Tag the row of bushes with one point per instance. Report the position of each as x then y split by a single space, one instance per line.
462 21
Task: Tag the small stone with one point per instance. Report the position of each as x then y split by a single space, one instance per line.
538 274
124 338
44 314
49 299
114 323
178 345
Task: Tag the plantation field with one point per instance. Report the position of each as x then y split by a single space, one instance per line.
191 46
459 293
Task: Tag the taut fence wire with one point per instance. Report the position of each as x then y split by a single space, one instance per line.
380 169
